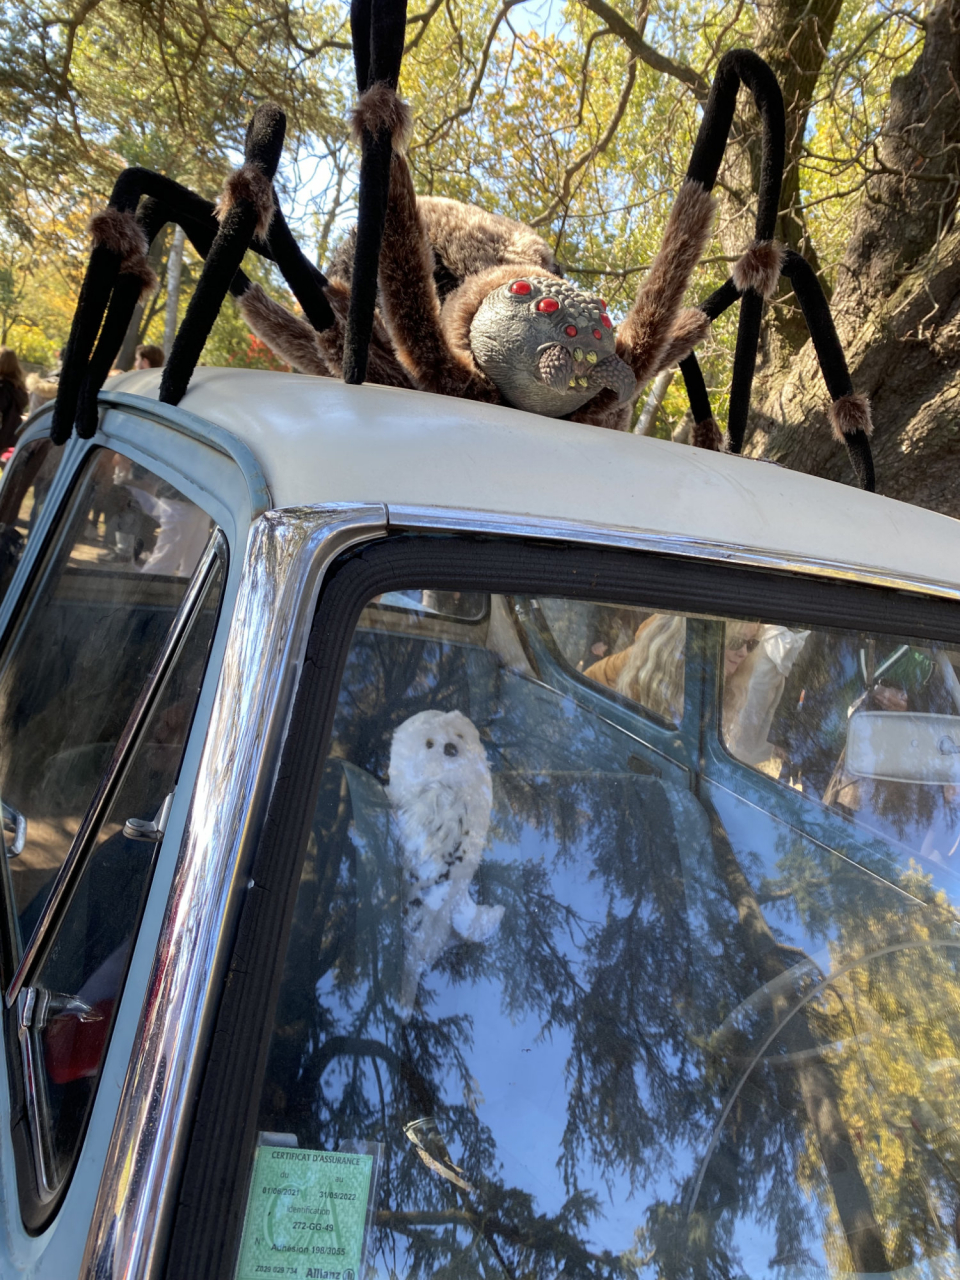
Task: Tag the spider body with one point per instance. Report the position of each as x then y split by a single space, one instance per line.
439 296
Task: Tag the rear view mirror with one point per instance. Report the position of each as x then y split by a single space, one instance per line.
904 746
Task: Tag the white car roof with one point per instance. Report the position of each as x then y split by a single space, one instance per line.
318 440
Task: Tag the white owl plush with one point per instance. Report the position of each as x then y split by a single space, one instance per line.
441 795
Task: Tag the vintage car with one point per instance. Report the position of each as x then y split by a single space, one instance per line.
444 841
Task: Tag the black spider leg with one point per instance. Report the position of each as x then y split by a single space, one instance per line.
697 393
826 343
378 28
104 273
306 281
238 225
123 301
201 227
833 366
741 66
152 215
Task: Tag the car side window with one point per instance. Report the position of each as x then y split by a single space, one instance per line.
635 652
83 643
67 1011
861 723
25 489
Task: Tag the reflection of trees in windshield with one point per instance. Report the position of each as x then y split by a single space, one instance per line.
887 1018
711 1072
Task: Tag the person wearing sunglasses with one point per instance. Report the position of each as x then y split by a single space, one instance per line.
650 670
741 639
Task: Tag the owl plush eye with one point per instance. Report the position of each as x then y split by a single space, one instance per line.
429 744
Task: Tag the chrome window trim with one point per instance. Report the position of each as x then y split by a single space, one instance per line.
429 519
64 886
36 1094
287 556
38 543
31 1008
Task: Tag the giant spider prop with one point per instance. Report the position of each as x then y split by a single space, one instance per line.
441 296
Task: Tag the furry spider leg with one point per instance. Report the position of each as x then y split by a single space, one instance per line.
118 272
378 28
656 333
291 337
153 214
355 344
756 274
119 248
848 413
411 306
318 349
118 258
152 217
246 209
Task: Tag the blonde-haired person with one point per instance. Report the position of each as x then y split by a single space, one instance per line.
756 662
13 397
650 670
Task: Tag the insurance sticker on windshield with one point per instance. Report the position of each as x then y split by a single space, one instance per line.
306 1215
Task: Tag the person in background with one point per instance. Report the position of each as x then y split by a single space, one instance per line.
13 397
43 388
650 670
148 357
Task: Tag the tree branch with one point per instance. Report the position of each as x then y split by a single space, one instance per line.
591 153
645 52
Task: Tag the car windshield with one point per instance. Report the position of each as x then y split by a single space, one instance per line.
626 945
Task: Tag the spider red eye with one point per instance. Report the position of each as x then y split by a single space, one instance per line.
571 331
548 304
606 322
597 334
520 286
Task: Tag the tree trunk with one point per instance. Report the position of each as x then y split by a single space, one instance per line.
124 358
174 266
128 347
896 303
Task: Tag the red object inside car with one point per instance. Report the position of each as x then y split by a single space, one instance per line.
74 1048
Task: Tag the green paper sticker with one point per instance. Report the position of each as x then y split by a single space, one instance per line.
306 1215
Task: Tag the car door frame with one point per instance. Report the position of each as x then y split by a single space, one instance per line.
221 476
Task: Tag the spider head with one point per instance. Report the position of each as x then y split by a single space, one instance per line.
548 347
